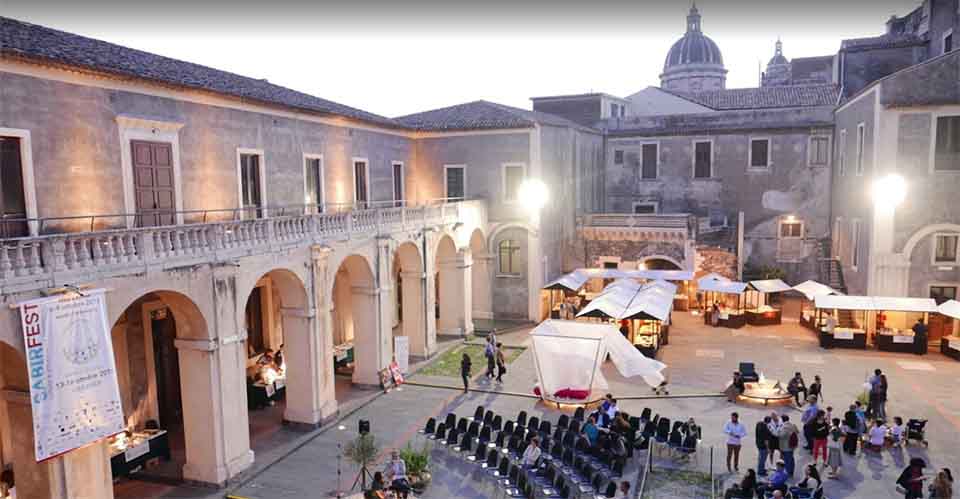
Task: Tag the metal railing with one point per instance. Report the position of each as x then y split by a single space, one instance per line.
34 259
678 475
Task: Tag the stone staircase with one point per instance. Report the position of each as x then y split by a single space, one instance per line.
830 272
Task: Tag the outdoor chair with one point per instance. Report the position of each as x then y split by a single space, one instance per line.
575 426
544 428
488 418
478 414
522 418
508 427
500 441
430 427
440 432
616 471
451 420
462 425
564 490
563 422
533 423
569 439
591 483
453 438
474 428
478 456
634 422
516 491
645 414
578 414
748 372
484 437
512 446
611 490
497 423
520 432
558 433
466 445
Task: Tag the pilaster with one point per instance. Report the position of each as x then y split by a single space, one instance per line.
322 282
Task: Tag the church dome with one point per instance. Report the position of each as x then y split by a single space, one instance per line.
694 47
778 59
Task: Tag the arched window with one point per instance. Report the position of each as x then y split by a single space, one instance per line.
509 258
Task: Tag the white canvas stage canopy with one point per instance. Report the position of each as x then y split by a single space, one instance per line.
770 286
812 289
878 303
568 356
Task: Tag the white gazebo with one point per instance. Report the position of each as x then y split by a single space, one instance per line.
568 356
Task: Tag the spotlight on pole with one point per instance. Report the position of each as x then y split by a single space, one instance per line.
889 190
533 194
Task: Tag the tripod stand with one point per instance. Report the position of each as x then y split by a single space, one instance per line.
362 479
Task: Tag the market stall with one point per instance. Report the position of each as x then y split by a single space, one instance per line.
808 312
562 294
130 451
722 301
568 356
848 326
950 344
268 382
895 318
641 311
762 309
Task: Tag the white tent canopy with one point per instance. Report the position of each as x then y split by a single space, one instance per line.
569 355
878 303
626 301
572 281
950 308
812 289
770 286
575 280
719 284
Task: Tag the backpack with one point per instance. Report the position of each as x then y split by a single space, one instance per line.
793 441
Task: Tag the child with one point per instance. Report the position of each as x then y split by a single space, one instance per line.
835 449
897 431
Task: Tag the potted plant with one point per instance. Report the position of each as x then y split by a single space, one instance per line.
362 451
418 467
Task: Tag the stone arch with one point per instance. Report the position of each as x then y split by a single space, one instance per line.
277 314
919 235
491 239
409 296
453 288
356 317
663 259
163 359
480 276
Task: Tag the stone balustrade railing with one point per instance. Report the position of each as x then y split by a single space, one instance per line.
51 260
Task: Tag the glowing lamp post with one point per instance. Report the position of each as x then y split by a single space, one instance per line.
889 191
533 195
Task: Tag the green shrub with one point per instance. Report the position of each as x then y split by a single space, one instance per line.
417 460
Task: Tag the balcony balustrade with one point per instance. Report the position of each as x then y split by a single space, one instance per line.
46 260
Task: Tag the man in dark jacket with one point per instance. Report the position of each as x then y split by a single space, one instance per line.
851 426
763 436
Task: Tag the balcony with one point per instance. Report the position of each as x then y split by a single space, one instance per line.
56 259
679 224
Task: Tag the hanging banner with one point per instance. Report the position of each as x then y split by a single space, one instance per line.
73 379
401 352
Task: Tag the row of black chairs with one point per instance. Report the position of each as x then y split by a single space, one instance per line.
568 462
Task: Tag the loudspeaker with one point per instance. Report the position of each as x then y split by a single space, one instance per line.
363 426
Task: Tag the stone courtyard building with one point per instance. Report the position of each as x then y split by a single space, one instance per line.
227 216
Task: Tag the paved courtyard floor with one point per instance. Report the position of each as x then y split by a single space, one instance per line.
700 361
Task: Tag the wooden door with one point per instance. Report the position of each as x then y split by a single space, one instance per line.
939 326
13 212
153 183
167 365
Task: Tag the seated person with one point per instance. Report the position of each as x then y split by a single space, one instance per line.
532 454
778 482
809 485
736 387
746 489
897 431
591 430
620 424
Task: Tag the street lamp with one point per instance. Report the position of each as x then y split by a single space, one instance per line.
889 190
533 194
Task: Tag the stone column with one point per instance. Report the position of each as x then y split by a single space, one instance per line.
367 337
456 310
481 280
430 285
323 279
80 474
214 393
413 312
304 368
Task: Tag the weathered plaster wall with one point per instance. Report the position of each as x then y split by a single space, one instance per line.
510 292
923 273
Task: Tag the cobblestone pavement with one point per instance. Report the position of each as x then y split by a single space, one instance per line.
700 360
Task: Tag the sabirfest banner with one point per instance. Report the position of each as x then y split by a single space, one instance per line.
73 379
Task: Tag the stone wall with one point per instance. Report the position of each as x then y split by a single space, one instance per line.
716 260
631 251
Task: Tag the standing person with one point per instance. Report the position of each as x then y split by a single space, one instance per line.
816 388
821 431
490 352
796 386
806 421
920 337
834 449
851 430
789 441
873 406
775 426
911 480
397 474
882 405
763 437
501 363
878 435
735 431
942 486
465 372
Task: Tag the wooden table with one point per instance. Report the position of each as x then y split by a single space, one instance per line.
896 343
